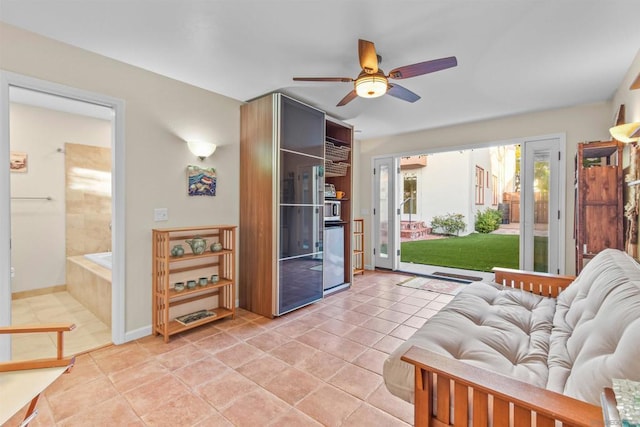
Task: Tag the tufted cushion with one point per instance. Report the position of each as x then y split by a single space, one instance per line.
596 334
486 325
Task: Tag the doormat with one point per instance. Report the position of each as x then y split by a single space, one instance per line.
460 277
433 285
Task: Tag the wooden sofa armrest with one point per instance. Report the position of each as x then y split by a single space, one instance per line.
545 284
58 361
451 392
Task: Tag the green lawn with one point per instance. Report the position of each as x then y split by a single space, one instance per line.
480 252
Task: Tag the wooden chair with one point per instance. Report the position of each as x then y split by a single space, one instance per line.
22 381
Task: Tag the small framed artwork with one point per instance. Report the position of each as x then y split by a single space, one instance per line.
201 182
18 161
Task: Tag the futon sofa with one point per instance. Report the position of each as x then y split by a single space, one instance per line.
530 349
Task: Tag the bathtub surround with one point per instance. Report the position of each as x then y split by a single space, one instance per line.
88 199
104 259
88 231
90 284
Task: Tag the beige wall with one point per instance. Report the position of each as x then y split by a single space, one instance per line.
583 123
159 114
38 226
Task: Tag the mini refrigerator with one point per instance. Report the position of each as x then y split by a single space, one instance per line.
333 247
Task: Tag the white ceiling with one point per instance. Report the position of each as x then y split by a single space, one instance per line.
514 56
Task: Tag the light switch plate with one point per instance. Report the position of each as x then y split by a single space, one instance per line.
161 214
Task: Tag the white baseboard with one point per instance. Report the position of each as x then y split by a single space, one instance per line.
138 333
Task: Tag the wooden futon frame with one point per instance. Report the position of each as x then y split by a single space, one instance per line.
449 392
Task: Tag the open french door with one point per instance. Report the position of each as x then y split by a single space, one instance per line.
386 238
542 210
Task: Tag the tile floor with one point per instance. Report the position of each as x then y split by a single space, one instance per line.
320 365
90 332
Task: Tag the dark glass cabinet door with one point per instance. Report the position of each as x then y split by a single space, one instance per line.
301 128
300 282
301 179
301 230
301 166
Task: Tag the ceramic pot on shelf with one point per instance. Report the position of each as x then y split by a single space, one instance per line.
198 245
216 247
177 250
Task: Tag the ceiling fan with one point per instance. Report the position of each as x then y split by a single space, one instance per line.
372 82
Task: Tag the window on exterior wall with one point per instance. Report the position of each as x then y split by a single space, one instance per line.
494 187
410 186
479 186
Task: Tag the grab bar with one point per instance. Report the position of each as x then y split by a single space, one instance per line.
32 198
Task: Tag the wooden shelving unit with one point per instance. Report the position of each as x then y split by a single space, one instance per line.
338 171
218 297
599 204
358 246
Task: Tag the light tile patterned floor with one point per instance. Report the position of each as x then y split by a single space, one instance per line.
320 365
90 332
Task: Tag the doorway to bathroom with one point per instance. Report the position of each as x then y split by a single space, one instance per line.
61 195
63 217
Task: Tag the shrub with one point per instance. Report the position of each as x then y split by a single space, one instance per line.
451 224
488 221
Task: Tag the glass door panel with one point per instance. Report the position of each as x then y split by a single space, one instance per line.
302 128
541 183
301 214
384 219
301 179
541 235
301 230
300 282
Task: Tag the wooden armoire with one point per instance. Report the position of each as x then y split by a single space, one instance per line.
599 215
288 152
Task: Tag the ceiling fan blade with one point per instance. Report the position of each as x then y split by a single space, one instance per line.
323 79
368 56
403 93
423 68
347 99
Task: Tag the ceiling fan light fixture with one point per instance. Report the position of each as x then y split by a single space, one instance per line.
371 85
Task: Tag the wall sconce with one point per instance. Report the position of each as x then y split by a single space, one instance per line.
628 132
201 149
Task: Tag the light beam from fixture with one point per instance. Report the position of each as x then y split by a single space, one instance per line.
627 133
201 149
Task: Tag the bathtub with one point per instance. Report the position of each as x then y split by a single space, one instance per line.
102 258
89 281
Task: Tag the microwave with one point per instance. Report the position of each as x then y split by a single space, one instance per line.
332 210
